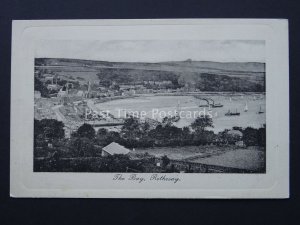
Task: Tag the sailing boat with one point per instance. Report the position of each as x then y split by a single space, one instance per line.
236 113
260 110
246 107
177 117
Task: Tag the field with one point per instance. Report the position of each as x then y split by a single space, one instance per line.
207 76
180 153
251 158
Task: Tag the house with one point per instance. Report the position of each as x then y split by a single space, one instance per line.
49 78
235 133
114 148
37 94
63 92
80 93
53 87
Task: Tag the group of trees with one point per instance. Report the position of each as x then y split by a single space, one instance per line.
252 136
215 82
139 134
85 142
41 87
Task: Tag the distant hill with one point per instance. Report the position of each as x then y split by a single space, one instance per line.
208 76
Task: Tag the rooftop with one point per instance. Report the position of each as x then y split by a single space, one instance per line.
115 148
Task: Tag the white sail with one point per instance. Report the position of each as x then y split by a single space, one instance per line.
246 107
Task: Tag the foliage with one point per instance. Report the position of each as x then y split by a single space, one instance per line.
255 137
133 128
39 86
83 147
201 123
225 137
48 129
165 160
114 163
87 131
105 82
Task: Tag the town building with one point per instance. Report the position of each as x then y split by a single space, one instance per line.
114 148
37 94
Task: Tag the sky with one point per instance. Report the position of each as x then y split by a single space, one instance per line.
154 50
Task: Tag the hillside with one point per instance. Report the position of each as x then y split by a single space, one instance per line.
208 76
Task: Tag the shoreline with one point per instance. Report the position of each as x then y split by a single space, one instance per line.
98 101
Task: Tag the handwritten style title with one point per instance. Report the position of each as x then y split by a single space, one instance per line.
140 178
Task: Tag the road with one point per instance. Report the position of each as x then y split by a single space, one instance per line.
59 115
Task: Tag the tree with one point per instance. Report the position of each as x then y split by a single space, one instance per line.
39 86
262 136
165 160
48 129
201 123
86 130
115 87
131 128
102 132
82 147
250 137
167 121
106 83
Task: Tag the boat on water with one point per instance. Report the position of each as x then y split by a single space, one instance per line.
260 111
204 105
217 105
176 118
213 104
209 104
246 107
229 113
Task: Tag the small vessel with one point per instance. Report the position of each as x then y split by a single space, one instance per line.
217 105
260 111
212 104
229 113
246 107
204 105
176 118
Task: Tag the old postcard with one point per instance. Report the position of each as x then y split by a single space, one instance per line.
150 109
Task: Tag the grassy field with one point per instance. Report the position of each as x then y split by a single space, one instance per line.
243 159
252 158
181 153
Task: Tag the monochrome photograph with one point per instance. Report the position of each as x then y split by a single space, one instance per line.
150 109
149 106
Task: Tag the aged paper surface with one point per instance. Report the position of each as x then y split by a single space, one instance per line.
150 109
